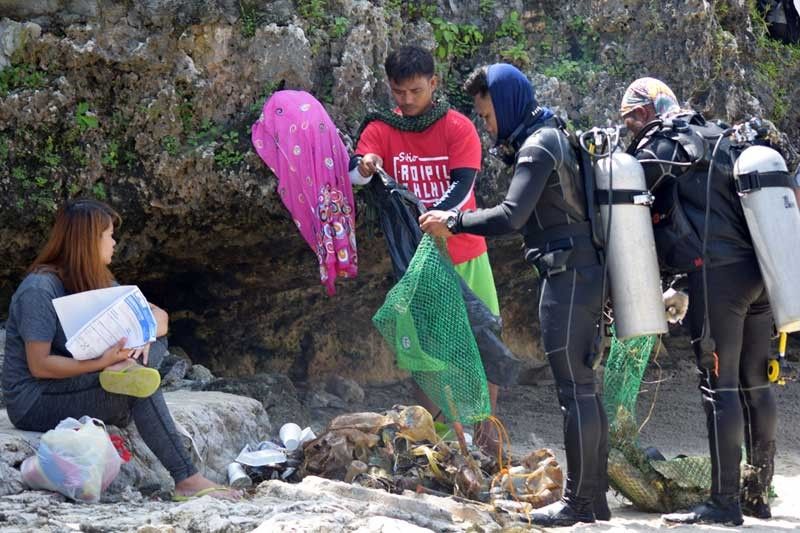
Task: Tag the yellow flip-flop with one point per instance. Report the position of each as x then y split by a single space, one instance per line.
135 380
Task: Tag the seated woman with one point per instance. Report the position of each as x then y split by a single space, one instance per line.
43 383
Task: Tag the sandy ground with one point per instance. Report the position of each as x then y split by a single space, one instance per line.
676 425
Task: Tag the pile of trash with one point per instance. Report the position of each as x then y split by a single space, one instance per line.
403 449
268 460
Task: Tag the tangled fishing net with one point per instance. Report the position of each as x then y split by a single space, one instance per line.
644 476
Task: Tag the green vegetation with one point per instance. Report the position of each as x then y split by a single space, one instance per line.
48 156
455 40
339 27
421 10
265 93
85 119
455 92
22 76
517 55
486 7
250 20
511 27
229 155
170 144
208 132
4 149
110 158
99 191
78 155
313 11
776 64
19 174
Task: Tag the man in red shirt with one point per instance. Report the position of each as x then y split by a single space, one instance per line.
434 151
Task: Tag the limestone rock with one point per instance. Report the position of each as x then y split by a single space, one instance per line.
13 36
315 505
275 392
200 374
175 372
346 389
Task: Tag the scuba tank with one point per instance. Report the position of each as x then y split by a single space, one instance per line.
770 209
630 251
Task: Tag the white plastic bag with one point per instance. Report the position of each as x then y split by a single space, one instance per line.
77 459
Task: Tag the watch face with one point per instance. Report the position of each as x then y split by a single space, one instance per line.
451 222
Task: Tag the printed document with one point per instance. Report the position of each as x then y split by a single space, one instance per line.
93 321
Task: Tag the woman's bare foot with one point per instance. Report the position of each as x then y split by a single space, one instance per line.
196 483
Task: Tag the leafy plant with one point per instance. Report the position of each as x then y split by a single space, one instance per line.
170 144
454 40
186 113
339 27
569 70
250 20
19 174
110 158
48 156
208 132
486 7
21 77
229 155
85 119
78 155
99 191
312 10
421 10
511 27
775 61
517 54
4 148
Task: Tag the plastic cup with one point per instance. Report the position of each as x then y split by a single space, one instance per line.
237 477
307 435
290 435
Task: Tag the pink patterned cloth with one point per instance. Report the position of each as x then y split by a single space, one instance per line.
299 142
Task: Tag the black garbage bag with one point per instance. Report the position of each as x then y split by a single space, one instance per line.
397 212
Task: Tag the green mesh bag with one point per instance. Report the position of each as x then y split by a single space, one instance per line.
651 484
424 321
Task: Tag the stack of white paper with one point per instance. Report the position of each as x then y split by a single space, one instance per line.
93 321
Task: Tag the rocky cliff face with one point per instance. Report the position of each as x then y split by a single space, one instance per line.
148 104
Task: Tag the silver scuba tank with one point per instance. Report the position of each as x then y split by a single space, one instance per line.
770 209
631 249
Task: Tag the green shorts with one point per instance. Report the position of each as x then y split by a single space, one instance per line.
478 275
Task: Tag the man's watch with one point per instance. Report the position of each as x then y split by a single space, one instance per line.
451 223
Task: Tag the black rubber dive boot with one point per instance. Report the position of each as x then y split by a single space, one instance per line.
717 510
756 481
563 513
600 507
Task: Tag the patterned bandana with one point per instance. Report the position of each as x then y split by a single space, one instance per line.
649 91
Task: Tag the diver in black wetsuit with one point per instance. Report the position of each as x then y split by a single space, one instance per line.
546 202
737 396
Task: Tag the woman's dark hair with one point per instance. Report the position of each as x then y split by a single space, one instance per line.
72 251
477 83
409 62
